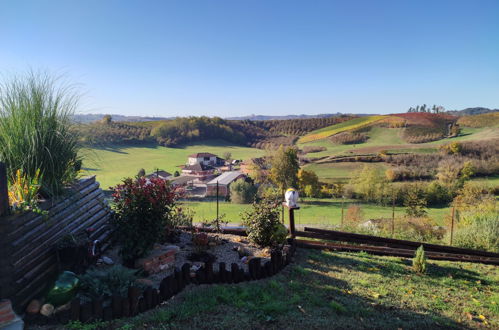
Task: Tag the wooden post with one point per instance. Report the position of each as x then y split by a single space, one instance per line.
452 224
393 213
218 227
4 190
342 207
292 228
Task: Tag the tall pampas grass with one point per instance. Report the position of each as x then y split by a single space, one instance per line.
36 129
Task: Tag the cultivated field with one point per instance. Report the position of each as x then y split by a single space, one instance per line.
349 125
113 163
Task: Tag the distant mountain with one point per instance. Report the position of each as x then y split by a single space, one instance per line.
471 111
89 118
302 116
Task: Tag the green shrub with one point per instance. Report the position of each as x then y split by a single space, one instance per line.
263 223
36 130
481 233
415 201
242 192
437 194
419 261
103 283
143 214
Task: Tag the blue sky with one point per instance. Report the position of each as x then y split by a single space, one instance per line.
231 58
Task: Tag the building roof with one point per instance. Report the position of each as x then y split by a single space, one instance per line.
197 167
182 179
226 178
160 173
202 154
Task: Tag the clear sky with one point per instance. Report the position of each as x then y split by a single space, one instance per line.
232 58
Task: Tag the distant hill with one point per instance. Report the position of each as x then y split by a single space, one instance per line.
287 117
93 117
471 111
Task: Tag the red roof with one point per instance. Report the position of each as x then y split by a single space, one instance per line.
202 154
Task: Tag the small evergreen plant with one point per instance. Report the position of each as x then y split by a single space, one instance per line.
419 261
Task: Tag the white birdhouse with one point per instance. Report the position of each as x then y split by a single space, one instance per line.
291 197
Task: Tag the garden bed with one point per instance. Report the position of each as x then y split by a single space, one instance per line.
233 259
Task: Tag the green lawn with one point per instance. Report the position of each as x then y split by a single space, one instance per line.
333 290
314 211
113 163
491 181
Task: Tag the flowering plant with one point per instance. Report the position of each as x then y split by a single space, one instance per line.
143 212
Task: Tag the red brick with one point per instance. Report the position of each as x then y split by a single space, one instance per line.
171 252
6 319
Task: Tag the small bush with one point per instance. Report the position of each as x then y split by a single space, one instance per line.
143 214
98 284
242 192
354 216
419 261
264 227
482 233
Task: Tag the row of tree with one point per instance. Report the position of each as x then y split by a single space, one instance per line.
424 108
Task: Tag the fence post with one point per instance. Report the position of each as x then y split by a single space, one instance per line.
292 228
452 224
4 190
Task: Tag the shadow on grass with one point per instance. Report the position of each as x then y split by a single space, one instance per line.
303 295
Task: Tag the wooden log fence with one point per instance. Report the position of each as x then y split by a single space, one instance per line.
138 301
390 242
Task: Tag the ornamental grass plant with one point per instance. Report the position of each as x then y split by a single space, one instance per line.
36 130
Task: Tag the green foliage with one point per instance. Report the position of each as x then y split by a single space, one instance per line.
36 132
264 227
182 130
141 173
437 194
308 183
419 261
415 201
143 214
103 283
481 232
453 148
242 192
285 166
370 185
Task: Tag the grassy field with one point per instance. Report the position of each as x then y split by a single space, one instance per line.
332 290
314 211
349 125
113 163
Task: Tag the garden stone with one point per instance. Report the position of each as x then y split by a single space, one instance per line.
107 260
34 307
47 310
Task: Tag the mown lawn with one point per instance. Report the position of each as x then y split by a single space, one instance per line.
331 290
314 211
113 163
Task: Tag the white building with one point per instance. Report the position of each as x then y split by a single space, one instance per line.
205 158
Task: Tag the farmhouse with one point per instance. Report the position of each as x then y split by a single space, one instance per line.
224 182
200 171
205 158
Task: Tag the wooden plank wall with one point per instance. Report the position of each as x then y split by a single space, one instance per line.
28 260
